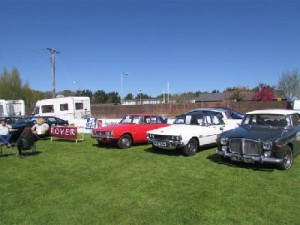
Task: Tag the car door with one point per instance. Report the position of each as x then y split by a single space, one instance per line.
213 127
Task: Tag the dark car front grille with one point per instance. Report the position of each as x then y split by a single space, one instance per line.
244 146
162 137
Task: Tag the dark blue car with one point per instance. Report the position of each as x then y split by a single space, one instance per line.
18 127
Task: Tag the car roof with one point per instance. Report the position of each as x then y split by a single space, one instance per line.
209 109
141 114
273 111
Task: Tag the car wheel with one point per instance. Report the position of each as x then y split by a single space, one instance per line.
125 141
287 158
191 147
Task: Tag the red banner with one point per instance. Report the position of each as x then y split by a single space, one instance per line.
64 132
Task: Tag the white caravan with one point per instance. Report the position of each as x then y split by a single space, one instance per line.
12 107
72 109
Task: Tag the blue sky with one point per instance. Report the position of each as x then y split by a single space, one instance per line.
192 45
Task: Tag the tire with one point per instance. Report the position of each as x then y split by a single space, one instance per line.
125 141
190 148
287 158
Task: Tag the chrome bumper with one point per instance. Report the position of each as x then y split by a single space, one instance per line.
98 137
166 144
249 158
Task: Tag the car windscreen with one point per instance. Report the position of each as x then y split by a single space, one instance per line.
273 120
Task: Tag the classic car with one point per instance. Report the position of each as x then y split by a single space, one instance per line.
130 130
188 132
230 117
18 126
265 136
10 119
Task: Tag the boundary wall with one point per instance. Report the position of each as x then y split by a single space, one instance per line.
173 109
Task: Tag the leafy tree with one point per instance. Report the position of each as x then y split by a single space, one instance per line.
86 92
142 96
289 83
100 97
263 93
236 93
129 96
113 97
11 84
67 93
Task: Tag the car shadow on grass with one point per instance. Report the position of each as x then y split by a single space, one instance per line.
163 151
252 166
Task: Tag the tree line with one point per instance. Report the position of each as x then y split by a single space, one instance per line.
12 87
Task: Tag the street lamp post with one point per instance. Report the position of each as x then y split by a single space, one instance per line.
121 94
140 97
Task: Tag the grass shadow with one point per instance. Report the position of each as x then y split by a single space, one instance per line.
29 153
163 151
253 166
6 154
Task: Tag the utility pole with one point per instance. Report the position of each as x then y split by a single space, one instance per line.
53 52
121 94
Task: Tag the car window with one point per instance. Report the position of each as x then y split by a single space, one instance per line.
266 120
132 119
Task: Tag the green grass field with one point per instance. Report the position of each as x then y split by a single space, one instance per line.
69 183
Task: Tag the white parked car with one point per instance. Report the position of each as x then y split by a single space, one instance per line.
230 117
189 132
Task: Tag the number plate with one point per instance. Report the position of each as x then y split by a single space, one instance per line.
160 144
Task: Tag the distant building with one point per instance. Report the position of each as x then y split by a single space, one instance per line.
150 101
225 96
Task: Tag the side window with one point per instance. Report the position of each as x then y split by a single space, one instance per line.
47 108
64 107
78 105
156 120
295 119
147 120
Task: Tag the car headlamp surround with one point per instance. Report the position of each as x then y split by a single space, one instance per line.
267 145
224 141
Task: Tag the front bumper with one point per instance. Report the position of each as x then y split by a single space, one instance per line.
105 139
249 158
166 144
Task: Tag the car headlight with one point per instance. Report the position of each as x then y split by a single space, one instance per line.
267 145
150 136
109 133
176 138
224 141
267 153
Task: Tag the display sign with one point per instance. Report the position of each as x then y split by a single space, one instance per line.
64 132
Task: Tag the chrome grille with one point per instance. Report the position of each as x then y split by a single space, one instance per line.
235 145
244 146
100 133
162 137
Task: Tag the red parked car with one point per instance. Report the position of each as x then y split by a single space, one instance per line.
132 129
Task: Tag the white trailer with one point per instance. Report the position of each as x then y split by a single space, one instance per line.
12 107
72 109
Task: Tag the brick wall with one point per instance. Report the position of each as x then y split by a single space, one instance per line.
171 110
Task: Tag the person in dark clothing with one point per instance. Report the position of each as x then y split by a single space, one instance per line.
26 140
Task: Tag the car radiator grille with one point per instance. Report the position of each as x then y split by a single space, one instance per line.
162 137
100 133
245 147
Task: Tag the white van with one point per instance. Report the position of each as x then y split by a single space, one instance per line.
12 107
67 108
